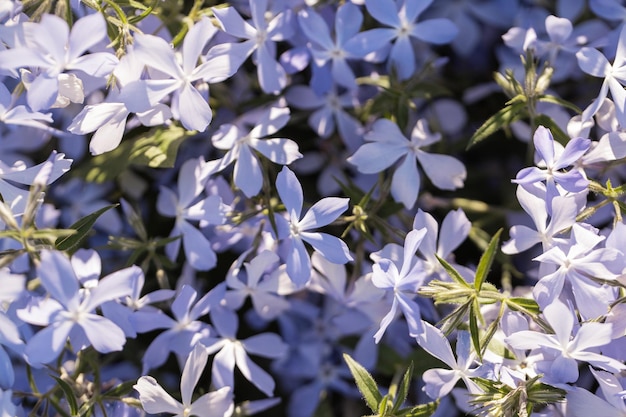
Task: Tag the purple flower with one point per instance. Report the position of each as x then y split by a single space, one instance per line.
387 144
241 146
262 35
552 162
401 17
295 230
562 350
154 399
232 352
402 283
69 311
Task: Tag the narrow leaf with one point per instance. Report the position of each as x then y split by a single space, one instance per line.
524 305
454 274
474 330
82 227
422 410
503 118
486 260
69 395
365 383
563 103
403 389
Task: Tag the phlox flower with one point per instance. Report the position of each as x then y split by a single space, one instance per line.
185 207
155 399
69 311
401 18
386 145
561 350
20 115
439 382
576 262
107 119
260 37
594 63
263 284
552 160
53 49
547 224
402 283
182 331
294 231
232 352
334 53
188 104
241 146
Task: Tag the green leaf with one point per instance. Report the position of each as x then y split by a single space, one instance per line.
454 274
69 395
524 305
120 390
82 227
403 389
474 330
422 410
156 148
563 103
365 383
503 118
486 260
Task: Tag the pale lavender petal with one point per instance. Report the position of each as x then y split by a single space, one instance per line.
86 33
290 192
270 122
405 182
402 57
193 109
214 404
99 64
331 247
323 213
444 171
183 302
114 286
385 11
195 40
247 174
592 62
564 369
574 150
298 261
522 238
279 151
42 92
582 403
561 318
194 366
189 182
386 321
224 367
223 61
558 28
591 335
167 202
454 229
411 311
527 339
314 27
272 76
267 345
47 344
58 278
372 158
156 53
433 341
104 335
226 322
348 21
52 36
154 399
437 31
439 382
198 250
385 274
233 23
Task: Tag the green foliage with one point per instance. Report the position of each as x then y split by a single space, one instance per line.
82 228
388 405
500 399
156 148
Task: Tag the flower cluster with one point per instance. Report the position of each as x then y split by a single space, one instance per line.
260 207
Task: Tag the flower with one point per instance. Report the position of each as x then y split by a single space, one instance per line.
154 399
